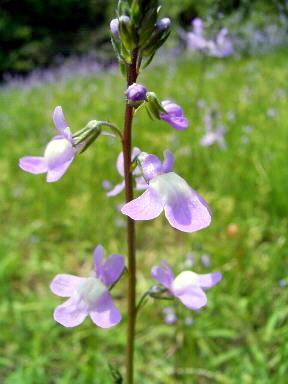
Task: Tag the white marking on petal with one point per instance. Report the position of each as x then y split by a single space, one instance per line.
58 152
170 185
90 291
185 279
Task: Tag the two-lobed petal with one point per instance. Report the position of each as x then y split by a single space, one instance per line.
184 208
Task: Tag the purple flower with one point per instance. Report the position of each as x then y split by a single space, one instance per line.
219 46
188 286
140 181
216 136
114 27
223 46
206 260
184 208
174 116
59 152
198 25
89 295
170 316
136 92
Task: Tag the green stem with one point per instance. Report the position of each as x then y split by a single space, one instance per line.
131 78
113 128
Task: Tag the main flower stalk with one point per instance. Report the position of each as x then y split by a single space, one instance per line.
131 78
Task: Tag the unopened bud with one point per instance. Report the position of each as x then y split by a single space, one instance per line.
163 24
136 92
124 19
114 27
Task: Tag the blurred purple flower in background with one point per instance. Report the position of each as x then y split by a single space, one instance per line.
170 316
140 181
174 116
188 286
106 184
218 46
188 321
189 260
272 113
184 208
206 260
58 155
89 295
214 136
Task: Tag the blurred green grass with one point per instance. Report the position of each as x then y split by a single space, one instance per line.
242 336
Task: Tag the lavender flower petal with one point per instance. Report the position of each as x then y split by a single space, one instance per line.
183 209
70 314
33 164
151 166
209 280
56 173
112 269
120 160
117 189
64 285
163 276
193 297
59 119
148 206
174 115
105 314
168 163
179 123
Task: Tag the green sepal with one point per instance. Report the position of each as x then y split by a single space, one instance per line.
90 141
123 68
157 40
154 105
127 34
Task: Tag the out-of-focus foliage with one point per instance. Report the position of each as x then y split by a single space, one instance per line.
34 33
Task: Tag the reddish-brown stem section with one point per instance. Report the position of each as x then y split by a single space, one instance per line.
131 78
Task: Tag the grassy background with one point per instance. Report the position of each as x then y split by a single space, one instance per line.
242 336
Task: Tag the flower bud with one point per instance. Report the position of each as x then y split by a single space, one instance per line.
124 19
114 27
136 92
163 24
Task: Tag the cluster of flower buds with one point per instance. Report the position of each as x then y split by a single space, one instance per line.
166 110
137 27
